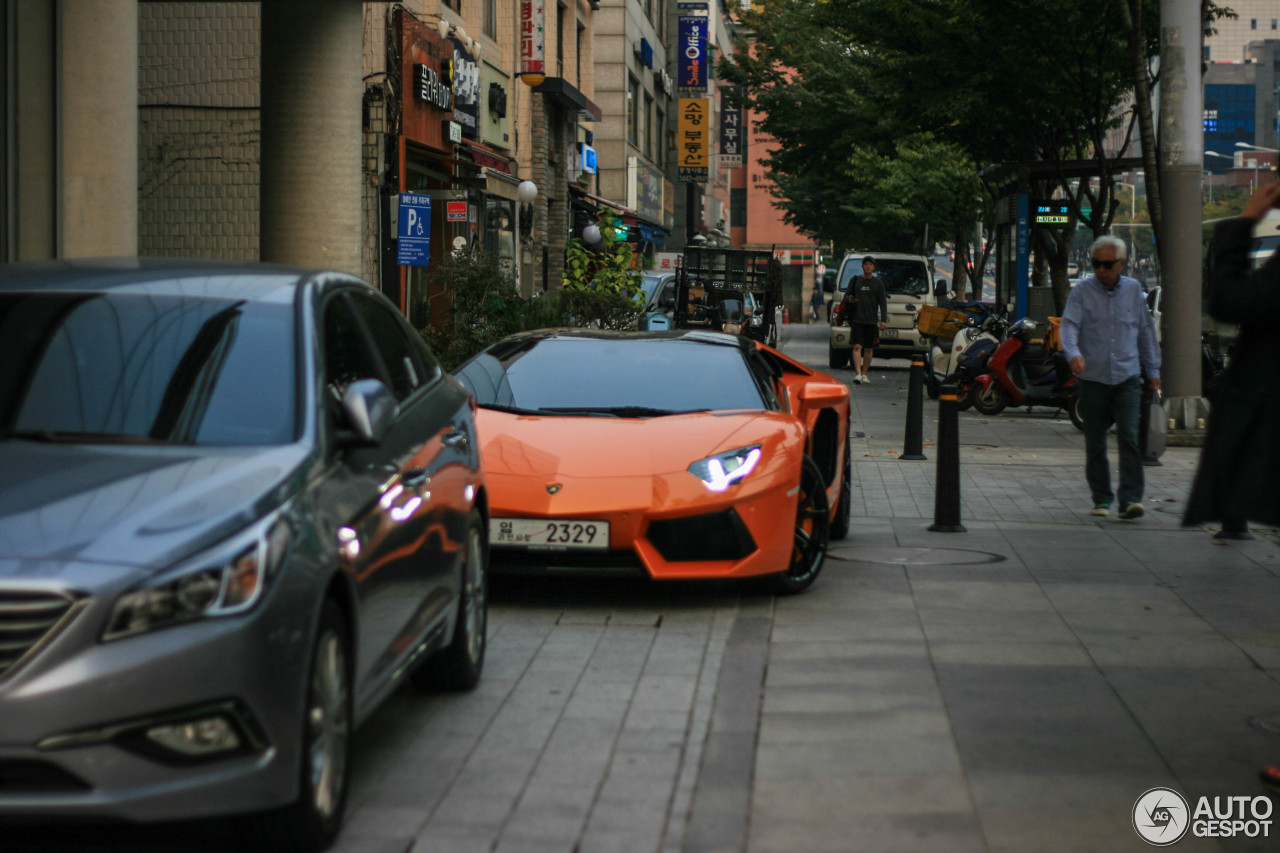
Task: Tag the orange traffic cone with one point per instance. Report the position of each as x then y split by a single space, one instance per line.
786 315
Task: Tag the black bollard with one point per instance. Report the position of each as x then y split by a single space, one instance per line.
912 444
946 502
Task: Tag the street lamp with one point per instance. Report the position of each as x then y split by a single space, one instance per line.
1133 199
1224 157
1252 147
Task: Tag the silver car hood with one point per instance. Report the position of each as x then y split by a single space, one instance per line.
140 507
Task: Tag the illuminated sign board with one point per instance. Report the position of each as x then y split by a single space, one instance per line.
1051 212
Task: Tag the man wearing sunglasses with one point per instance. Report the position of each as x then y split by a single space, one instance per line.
1110 340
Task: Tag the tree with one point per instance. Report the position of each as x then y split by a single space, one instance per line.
860 75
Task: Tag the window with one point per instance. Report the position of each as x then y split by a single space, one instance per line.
346 357
455 5
582 36
491 18
659 139
173 369
633 110
649 128
561 11
738 207
393 344
1253 23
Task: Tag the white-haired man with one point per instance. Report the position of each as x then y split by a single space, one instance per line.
1109 338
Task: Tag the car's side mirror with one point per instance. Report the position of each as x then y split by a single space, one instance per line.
368 408
824 394
829 281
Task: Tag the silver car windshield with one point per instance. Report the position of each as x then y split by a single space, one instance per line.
146 368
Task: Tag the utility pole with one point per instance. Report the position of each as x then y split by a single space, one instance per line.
1179 243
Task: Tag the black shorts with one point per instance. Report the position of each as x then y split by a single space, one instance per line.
863 335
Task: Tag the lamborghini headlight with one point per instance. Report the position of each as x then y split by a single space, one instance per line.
721 471
228 579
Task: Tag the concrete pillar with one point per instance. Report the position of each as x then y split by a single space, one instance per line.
98 137
1181 161
312 206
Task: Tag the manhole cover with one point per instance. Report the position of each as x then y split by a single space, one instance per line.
916 556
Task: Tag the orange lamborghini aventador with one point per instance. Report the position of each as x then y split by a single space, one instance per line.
687 454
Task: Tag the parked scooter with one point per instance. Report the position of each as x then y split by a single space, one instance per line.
966 356
1023 371
945 350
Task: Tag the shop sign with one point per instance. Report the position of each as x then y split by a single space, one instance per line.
455 211
466 90
532 40
645 189
431 88
731 139
588 155
694 139
691 59
413 248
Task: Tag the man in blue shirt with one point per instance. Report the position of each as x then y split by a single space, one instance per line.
1110 340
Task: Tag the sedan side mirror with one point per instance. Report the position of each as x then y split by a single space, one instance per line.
368 407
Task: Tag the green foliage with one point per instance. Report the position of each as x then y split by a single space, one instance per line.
600 287
485 307
888 80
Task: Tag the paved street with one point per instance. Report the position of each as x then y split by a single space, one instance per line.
1012 688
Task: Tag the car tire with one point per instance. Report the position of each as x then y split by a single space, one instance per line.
840 524
313 821
812 530
458 665
837 358
990 400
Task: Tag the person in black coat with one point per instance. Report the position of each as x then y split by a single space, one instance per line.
1238 478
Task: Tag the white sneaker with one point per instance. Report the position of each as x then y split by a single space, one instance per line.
857 379
866 380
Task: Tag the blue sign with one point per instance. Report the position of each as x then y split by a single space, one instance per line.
691 54
589 159
413 248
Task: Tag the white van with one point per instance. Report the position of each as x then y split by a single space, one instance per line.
908 282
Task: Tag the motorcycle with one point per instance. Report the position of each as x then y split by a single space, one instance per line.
1023 371
961 359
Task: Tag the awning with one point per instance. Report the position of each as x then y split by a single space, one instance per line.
561 91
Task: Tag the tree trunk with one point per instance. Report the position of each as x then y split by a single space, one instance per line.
1131 17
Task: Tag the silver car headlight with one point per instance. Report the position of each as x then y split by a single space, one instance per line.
721 471
228 579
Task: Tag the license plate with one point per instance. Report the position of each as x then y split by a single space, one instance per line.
888 333
549 534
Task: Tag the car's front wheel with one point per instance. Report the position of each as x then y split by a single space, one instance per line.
312 823
458 665
809 539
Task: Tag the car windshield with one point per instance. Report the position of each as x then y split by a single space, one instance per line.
625 377
145 368
900 277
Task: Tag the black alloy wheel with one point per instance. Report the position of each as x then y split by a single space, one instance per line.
812 530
